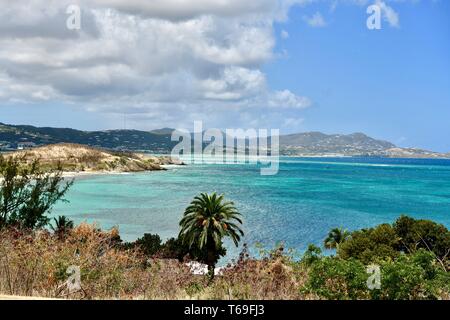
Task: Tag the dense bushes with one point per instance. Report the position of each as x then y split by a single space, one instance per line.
414 276
425 234
412 256
149 244
174 248
333 278
406 235
371 245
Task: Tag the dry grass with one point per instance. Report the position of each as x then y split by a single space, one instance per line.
35 264
271 278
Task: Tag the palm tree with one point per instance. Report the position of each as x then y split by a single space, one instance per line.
62 225
335 237
206 221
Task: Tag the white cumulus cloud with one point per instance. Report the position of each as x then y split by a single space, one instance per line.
159 58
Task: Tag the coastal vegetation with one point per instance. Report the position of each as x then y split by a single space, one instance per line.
409 258
35 263
28 193
335 237
62 225
69 157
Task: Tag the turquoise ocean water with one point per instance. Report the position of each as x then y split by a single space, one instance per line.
298 206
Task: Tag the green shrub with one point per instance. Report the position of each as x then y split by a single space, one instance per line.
406 235
371 245
28 193
426 234
174 248
333 278
150 244
415 276
311 255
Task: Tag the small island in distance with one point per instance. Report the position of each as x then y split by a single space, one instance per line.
307 144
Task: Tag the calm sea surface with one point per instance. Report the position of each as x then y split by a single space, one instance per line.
298 206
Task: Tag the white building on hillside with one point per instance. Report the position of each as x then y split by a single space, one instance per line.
25 145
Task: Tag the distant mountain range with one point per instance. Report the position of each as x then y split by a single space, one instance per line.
317 142
159 141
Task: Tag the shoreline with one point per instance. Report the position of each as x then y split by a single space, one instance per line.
76 174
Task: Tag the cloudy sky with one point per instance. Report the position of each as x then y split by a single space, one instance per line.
296 65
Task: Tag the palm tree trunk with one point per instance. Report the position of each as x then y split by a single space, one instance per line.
211 264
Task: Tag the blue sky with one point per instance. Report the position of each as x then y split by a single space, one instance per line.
335 76
392 83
